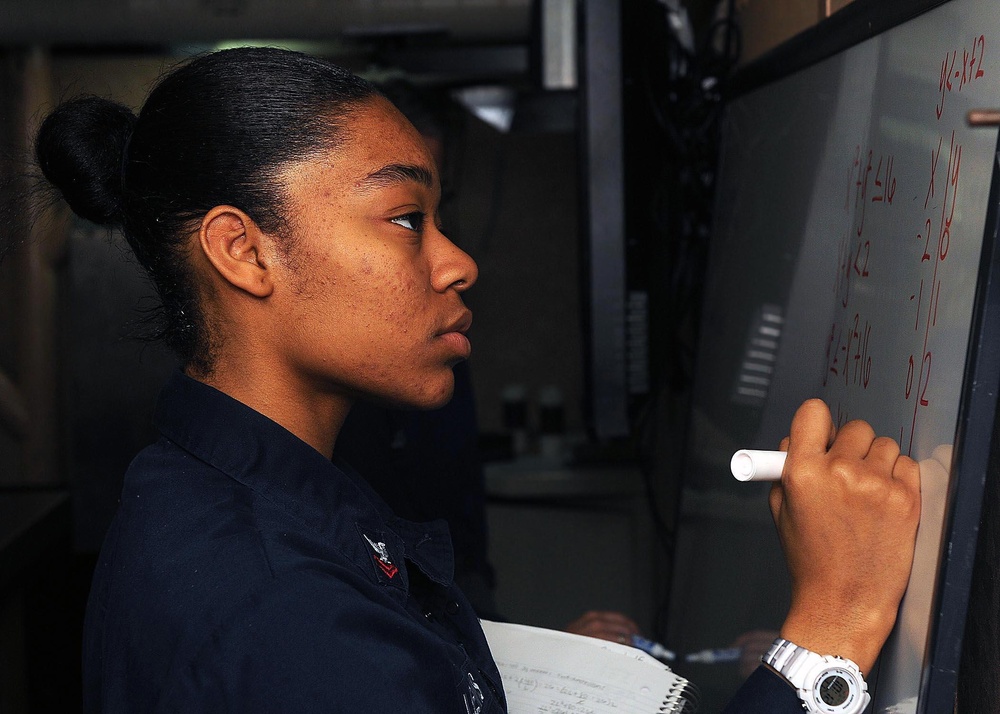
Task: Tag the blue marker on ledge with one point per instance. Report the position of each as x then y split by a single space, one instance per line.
728 654
654 648
709 656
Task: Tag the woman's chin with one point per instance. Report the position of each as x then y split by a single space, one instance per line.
431 395
437 399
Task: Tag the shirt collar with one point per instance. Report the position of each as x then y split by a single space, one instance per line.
274 463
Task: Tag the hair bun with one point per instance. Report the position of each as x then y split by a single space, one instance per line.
79 148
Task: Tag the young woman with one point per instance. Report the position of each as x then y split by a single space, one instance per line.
287 215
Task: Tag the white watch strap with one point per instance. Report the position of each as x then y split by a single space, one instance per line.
789 659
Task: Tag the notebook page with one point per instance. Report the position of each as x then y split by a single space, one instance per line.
551 672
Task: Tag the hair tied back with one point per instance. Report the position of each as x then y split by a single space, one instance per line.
81 149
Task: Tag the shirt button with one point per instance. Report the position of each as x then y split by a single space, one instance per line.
452 607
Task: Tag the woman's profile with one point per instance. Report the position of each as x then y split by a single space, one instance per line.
287 215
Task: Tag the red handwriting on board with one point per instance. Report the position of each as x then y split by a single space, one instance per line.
871 187
852 261
847 352
871 180
885 182
935 158
959 68
950 185
932 246
923 378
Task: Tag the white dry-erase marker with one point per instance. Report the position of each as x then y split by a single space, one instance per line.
757 465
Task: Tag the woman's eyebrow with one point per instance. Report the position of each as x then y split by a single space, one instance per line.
397 173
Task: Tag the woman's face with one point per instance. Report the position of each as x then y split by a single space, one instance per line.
372 300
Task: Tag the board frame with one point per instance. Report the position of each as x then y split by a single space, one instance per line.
859 21
974 439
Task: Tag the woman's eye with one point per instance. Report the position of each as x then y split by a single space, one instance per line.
411 221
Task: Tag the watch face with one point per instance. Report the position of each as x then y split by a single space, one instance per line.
837 691
834 690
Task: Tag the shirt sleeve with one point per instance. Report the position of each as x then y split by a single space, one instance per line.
765 692
313 644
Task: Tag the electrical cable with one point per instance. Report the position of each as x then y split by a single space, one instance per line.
683 92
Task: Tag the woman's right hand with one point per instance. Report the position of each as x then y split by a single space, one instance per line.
847 509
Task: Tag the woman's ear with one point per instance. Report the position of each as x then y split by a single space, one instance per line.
237 249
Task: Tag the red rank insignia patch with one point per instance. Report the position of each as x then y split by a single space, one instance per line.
381 555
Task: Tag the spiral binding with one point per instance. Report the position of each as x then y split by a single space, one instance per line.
683 698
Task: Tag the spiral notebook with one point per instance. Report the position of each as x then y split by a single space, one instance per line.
550 672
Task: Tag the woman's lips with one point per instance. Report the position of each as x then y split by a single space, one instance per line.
458 342
454 334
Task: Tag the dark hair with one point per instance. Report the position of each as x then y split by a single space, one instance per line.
215 131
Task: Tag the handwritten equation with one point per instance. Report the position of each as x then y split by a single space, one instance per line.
552 692
875 252
871 187
958 71
933 243
847 352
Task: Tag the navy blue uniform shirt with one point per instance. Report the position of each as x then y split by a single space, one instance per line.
765 692
244 572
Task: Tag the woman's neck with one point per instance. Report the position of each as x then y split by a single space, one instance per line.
313 416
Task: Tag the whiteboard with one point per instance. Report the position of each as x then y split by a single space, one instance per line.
853 202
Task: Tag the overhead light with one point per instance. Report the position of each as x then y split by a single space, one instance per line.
493 104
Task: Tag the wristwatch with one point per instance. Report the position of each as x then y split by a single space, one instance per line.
825 684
